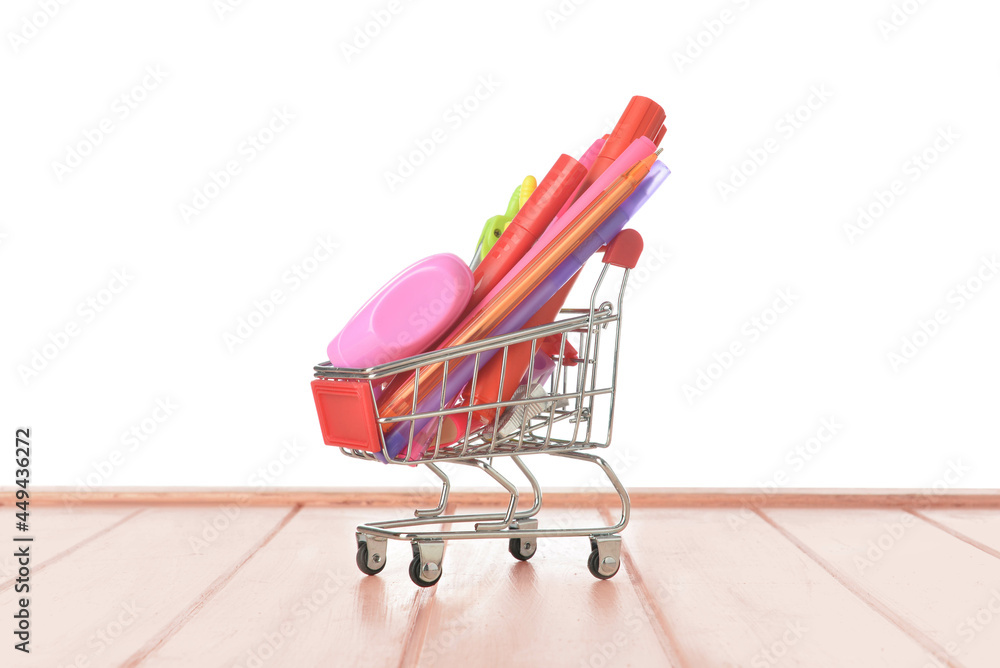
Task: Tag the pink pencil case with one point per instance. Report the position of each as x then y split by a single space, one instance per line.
407 315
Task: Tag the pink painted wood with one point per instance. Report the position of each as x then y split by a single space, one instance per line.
732 591
718 586
59 530
977 527
492 610
110 597
921 578
301 601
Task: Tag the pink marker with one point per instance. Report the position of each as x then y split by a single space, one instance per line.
636 151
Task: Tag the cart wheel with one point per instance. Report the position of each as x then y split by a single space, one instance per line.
522 551
594 564
415 572
362 560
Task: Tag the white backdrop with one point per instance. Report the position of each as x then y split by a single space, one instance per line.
168 169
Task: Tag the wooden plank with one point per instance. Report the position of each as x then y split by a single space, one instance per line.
734 592
567 498
978 527
491 609
923 579
60 530
301 601
101 603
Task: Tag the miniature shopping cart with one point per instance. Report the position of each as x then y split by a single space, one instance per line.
573 410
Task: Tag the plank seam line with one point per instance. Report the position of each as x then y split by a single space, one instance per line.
864 596
661 629
413 645
73 548
178 622
956 533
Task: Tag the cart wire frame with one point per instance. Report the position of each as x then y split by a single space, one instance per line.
562 425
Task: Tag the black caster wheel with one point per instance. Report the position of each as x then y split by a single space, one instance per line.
594 565
521 550
362 561
415 573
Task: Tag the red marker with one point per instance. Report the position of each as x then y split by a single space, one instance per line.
641 118
555 189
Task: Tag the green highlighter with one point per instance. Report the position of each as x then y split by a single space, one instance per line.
496 225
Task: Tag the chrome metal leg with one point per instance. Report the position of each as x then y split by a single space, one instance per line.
507 484
536 489
615 482
445 489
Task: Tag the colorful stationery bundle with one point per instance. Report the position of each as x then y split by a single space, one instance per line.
525 263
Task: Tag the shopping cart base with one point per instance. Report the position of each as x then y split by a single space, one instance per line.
562 402
371 554
425 568
523 548
519 528
605 556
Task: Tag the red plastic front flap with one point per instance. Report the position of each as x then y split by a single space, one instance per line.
347 414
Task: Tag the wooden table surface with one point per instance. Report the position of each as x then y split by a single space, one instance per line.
249 585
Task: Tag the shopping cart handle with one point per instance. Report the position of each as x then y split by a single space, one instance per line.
624 250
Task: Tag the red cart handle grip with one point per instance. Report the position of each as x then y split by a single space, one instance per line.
624 250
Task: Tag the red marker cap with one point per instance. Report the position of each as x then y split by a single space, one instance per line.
641 118
527 226
659 135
